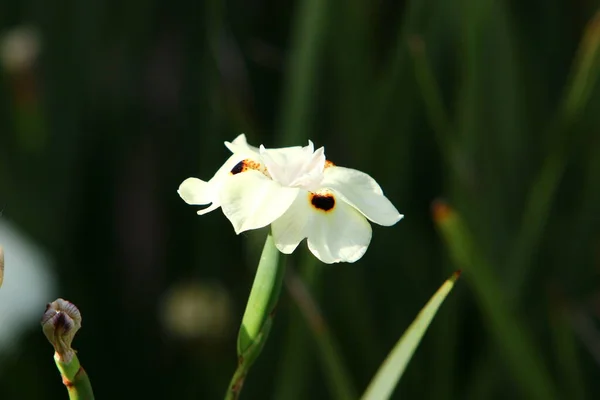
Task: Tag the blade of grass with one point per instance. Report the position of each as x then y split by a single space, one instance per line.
296 361
444 358
302 66
566 351
390 372
341 385
582 225
539 200
297 357
394 72
587 332
486 375
513 340
434 104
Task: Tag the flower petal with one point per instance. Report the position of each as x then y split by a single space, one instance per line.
295 166
251 200
336 233
240 145
363 193
341 235
195 191
292 227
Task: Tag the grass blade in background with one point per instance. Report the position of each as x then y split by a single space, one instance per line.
298 95
513 340
434 104
338 376
383 384
584 74
296 360
566 349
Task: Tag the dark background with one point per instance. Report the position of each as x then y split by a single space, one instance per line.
487 104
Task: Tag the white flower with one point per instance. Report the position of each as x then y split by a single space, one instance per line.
298 192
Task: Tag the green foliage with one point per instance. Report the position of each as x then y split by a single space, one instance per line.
491 105
385 380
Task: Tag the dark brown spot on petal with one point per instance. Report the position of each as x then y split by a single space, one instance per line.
245 165
323 202
239 167
328 164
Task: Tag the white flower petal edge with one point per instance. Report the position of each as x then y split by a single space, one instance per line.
292 227
240 145
341 234
363 193
251 200
195 191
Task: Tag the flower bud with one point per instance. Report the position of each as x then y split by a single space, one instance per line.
60 323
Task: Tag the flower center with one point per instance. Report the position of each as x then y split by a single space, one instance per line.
245 165
324 202
300 167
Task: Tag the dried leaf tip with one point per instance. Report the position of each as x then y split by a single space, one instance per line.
441 210
416 44
456 275
60 323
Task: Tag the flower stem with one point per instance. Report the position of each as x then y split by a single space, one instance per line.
258 316
75 378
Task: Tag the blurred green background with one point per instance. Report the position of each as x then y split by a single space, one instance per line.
107 106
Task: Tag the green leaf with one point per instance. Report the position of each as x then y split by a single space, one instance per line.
390 372
510 332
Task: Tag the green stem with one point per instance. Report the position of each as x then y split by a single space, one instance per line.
258 316
235 386
245 362
263 296
75 378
